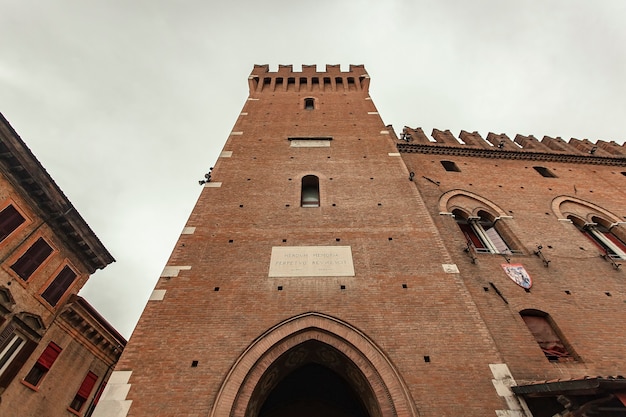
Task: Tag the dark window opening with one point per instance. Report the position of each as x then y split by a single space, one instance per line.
15 348
43 365
309 103
450 166
339 81
10 219
547 335
310 196
59 286
84 391
32 259
545 172
481 233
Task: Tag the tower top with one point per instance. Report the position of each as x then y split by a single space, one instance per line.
332 79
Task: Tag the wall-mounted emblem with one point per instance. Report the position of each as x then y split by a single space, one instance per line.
518 274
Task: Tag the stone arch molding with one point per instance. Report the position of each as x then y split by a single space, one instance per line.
390 394
468 202
564 206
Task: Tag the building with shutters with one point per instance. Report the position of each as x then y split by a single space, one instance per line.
56 350
333 268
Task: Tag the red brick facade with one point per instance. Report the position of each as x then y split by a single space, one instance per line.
244 321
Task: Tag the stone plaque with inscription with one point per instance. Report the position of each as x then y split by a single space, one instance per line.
311 261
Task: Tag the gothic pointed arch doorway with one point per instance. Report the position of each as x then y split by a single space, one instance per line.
310 380
313 365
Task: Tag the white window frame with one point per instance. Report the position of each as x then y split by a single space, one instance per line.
490 238
619 253
6 361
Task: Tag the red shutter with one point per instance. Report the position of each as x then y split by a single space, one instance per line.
615 240
49 355
87 385
470 235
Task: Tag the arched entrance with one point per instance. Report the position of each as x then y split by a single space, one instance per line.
312 379
313 365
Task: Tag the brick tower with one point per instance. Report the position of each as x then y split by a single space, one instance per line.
318 275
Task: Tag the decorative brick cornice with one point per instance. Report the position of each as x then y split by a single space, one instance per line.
506 154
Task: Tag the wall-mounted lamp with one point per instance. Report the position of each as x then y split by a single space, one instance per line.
207 177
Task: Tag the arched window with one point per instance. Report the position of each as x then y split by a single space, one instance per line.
547 335
310 195
598 231
309 103
481 232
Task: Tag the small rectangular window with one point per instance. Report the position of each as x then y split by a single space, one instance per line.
84 391
450 166
545 172
43 365
59 286
10 219
32 259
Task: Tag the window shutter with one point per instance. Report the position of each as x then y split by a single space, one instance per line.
10 219
17 363
497 240
469 233
57 288
32 258
87 385
49 355
615 240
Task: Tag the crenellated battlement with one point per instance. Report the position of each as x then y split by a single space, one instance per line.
521 147
309 79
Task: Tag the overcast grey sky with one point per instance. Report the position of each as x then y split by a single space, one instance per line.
127 103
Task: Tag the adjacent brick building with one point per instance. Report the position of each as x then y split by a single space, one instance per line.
56 351
332 268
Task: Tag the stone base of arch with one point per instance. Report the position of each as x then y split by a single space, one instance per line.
337 345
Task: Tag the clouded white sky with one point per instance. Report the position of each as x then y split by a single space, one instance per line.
128 103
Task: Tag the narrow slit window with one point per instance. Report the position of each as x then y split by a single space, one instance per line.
43 365
10 219
310 196
309 103
32 259
450 166
546 335
545 172
59 286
